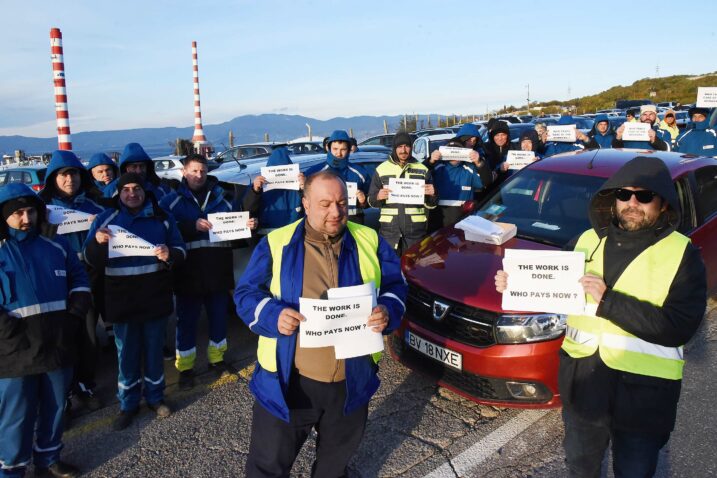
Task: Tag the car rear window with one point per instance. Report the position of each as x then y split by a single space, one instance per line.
546 207
41 175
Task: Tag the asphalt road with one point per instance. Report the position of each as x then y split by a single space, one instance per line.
415 429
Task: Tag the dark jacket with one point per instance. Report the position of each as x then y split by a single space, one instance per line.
625 400
699 139
599 140
99 159
138 288
44 296
134 153
208 267
661 143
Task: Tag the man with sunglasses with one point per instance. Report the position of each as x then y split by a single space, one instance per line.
621 361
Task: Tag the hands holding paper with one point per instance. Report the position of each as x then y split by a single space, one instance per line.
102 236
259 182
361 197
592 284
203 225
430 190
382 194
289 320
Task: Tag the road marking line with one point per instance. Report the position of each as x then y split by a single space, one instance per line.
484 448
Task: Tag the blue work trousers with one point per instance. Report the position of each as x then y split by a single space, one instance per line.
188 309
138 344
32 407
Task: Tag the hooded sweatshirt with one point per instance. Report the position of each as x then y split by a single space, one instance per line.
88 198
350 173
598 139
134 153
497 154
673 130
44 295
553 147
101 159
699 139
587 386
277 207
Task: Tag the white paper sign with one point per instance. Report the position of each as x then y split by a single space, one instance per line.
636 132
227 226
351 189
454 153
562 133
69 220
519 159
341 323
281 177
125 244
544 281
706 97
406 191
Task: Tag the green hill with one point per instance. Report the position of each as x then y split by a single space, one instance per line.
681 88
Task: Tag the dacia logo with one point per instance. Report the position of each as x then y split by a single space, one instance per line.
440 310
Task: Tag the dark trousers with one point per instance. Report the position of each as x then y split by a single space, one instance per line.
275 443
31 412
634 454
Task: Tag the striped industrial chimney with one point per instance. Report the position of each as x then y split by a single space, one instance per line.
198 136
58 77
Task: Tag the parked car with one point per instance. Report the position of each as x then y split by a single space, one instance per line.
305 147
170 167
425 145
32 175
430 131
490 355
247 151
380 140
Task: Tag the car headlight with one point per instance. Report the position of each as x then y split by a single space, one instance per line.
526 328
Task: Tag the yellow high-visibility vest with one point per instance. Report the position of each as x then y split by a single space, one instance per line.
648 278
367 246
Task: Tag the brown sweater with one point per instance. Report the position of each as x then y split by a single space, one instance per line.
321 272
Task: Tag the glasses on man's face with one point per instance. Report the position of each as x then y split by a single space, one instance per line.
643 196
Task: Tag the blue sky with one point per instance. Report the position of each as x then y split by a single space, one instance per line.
128 63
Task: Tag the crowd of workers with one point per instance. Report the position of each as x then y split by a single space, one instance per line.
56 286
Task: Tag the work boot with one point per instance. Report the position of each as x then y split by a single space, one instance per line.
123 419
58 469
160 408
186 379
89 399
222 369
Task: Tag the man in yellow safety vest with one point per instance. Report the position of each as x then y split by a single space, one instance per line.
621 360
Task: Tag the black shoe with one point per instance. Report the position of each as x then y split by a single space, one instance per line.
186 379
168 353
160 408
222 369
58 469
89 399
123 419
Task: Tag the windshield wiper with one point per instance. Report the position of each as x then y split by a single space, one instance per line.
540 240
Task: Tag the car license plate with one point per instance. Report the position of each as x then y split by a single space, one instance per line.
436 352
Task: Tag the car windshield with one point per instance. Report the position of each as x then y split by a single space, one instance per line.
546 207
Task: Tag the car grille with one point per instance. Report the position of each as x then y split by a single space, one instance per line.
479 387
462 323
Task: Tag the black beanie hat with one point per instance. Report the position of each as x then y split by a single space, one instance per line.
14 204
129 178
401 139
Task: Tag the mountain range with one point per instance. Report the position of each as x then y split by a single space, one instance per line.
246 129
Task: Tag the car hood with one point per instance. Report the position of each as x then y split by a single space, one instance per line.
448 265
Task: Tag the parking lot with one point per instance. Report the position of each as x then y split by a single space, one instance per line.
415 429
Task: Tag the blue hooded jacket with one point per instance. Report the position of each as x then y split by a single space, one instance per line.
554 147
134 153
87 199
44 290
278 207
350 173
699 139
604 141
100 159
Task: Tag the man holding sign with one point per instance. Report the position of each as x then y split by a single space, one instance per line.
401 224
206 277
657 139
337 162
138 291
274 208
298 388
622 358
564 137
70 190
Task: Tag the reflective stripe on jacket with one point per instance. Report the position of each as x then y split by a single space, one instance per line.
647 278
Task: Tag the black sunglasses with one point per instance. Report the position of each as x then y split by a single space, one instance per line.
643 196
